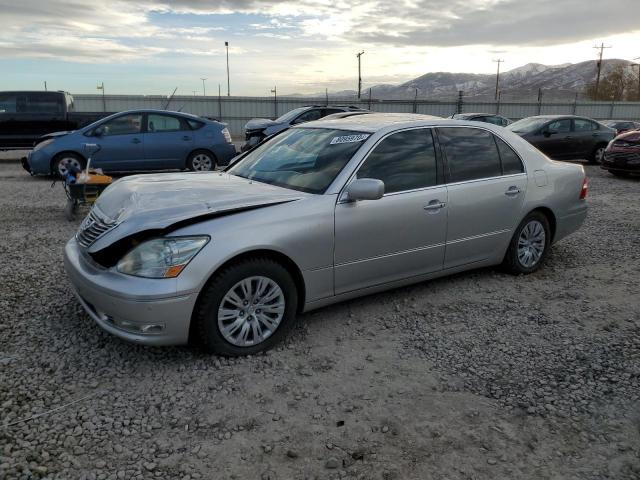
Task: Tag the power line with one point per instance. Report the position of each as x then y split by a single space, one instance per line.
599 65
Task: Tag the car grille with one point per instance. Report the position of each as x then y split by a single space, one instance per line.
622 158
92 228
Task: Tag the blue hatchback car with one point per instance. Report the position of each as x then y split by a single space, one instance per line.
137 140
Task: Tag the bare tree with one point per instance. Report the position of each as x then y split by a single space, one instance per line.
617 85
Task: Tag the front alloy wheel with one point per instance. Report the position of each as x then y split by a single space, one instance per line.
251 311
66 163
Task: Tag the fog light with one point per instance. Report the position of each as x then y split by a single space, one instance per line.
144 328
152 328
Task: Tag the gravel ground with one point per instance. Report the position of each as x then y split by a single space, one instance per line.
477 376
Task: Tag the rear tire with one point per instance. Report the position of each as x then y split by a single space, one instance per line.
201 161
598 154
529 245
235 317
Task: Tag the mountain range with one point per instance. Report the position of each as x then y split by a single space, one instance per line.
556 82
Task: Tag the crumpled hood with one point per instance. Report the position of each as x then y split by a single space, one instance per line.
156 202
259 124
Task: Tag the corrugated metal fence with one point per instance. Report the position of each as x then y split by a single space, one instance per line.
236 111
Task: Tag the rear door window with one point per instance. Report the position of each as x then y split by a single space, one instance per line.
163 123
403 161
582 125
471 153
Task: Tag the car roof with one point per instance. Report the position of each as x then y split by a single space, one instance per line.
377 121
170 112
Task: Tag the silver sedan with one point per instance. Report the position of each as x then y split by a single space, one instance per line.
320 213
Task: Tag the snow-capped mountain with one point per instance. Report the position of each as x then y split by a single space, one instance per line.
557 82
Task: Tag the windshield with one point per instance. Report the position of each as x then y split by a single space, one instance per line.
287 117
306 159
527 125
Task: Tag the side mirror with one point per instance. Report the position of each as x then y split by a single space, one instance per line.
365 189
98 131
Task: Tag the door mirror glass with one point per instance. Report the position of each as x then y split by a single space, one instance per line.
365 189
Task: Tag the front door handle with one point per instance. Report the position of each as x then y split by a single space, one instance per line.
186 138
512 191
136 140
568 138
434 206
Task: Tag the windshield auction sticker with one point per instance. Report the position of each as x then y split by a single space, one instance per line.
349 138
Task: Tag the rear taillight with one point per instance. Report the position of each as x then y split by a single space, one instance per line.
584 189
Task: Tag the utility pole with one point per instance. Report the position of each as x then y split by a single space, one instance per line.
275 101
194 93
204 91
226 44
326 96
359 73
219 102
599 65
45 85
498 61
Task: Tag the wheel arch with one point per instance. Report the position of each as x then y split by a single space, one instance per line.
274 255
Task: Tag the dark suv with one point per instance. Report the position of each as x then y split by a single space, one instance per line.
257 129
565 137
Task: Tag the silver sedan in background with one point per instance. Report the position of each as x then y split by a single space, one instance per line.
327 211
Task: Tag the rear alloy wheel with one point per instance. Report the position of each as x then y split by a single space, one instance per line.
598 155
201 161
248 307
66 161
529 244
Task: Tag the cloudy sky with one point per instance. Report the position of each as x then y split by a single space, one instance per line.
148 47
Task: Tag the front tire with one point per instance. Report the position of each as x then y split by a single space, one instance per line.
201 161
248 307
64 161
529 245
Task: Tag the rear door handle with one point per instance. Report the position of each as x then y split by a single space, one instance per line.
136 140
434 206
512 191
186 137
568 138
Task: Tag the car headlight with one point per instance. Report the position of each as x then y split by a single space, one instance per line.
43 144
161 257
226 134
